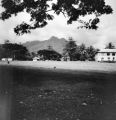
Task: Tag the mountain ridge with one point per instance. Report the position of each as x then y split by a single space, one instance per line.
57 44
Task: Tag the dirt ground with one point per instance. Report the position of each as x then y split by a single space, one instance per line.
61 94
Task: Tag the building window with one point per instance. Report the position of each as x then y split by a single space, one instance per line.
108 58
102 59
113 54
108 54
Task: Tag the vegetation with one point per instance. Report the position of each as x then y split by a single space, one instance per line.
72 52
70 49
33 54
40 14
110 46
80 52
49 55
15 51
2 52
91 52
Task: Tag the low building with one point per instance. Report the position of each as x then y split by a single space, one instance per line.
65 57
3 59
106 55
10 59
36 58
7 59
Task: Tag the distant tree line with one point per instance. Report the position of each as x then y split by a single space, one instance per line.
71 51
47 54
79 52
14 50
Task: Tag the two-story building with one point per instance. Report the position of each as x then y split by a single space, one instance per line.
106 55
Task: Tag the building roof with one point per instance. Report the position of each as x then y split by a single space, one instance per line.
36 58
107 50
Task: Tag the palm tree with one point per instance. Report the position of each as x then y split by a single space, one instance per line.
70 49
110 46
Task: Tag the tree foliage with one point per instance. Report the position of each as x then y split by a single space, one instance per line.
39 11
91 52
79 52
2 52
110 46
33 54
82 52
49 54
70 49
15 51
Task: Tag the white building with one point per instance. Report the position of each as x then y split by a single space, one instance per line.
7 59
36 59
106 55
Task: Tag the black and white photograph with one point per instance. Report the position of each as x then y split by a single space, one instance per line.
57 59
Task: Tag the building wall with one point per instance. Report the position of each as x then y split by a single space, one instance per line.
105 57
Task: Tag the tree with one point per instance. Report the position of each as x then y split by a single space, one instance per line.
110 46
2 52
33 54
50 47
83 54
70 49
39 11
6 41
91 52
16 51
49 54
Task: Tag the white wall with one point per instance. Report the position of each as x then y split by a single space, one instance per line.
105 57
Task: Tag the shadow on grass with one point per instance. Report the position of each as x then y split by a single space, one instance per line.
47 94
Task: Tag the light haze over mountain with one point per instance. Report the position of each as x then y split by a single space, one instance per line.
56 43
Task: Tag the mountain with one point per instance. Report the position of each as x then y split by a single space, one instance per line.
56 43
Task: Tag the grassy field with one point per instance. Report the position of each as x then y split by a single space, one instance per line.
71 65
71 91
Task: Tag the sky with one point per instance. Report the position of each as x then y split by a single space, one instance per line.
58 27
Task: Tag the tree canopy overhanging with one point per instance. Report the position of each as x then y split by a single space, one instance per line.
39 11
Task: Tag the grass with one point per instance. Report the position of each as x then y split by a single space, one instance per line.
71 65
61 94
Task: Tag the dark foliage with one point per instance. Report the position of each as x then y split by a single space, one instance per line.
40 15
49 54
80 52
91 52
83 52
110 46
15 51
70 49
2 51
33 54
